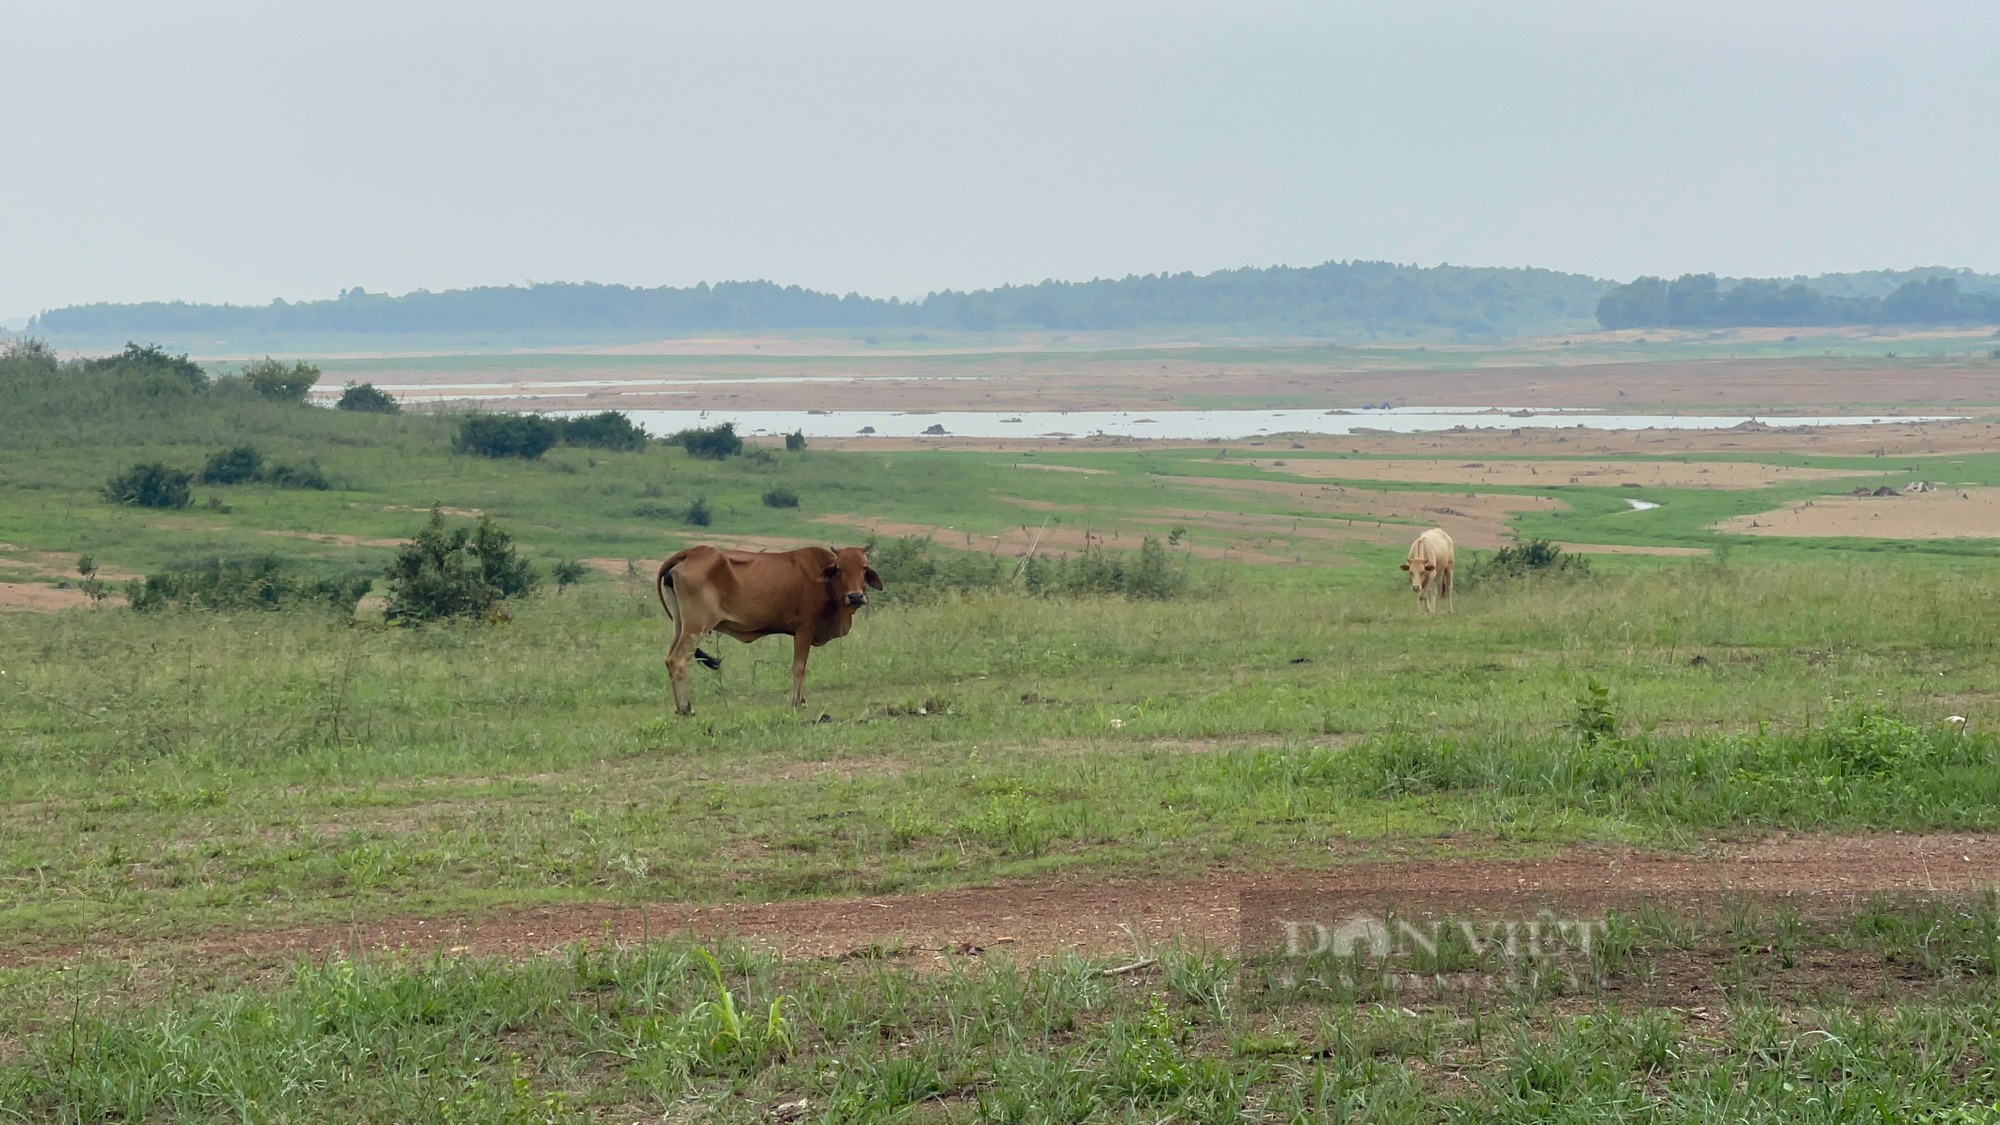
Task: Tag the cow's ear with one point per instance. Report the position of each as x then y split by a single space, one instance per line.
1428 567
830 573
1405 566
873 579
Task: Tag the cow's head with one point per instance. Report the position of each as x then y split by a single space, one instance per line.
1420 571
849 576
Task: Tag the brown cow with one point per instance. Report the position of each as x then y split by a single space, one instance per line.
809 595
1429 565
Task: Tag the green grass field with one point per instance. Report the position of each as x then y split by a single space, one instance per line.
169 777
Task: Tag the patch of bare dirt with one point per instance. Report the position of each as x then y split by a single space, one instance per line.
1608 474
336 540
1943 513
54 564
1060 468
1055 539
1629 549
844 769
35 597
1037 918
1355 515
463 513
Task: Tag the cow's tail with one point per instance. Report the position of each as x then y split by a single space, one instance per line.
663 585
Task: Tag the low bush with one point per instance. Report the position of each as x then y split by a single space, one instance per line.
910 566
795 441
150 485
1152 572
1535 558
463 571
367 398
302 474
698 514
261 583
151 370
612 429
232 466
715 443
527 436
245 465
780 498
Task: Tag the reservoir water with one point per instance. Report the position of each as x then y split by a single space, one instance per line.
1205 425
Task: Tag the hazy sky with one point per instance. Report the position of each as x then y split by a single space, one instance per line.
240 151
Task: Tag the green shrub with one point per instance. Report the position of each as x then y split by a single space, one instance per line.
272 379
244 465
612 429
262 583
232 466
526 436
567 573
1594 720
795 441
911 568
463 571
713 444
150 485
698 514
150 370
1534 558
780 498
306 474
369 399
1868 741
1150 573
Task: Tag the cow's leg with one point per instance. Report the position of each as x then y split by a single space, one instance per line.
1445 576
678 657
802 643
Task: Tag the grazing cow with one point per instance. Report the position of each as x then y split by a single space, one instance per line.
1429 565
809 595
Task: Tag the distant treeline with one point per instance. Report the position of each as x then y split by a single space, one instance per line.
1355 299
1701 301
1365 297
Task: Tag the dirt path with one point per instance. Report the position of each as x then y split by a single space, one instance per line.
1949 512
1044 917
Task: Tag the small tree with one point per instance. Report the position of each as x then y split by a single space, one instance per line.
455 572
698 513
150 485
92 587
795 441
233 466
567 573
274 380
152 371
780 498
367 398
527 436
713 444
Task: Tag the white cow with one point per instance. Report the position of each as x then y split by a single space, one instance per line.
1429 566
